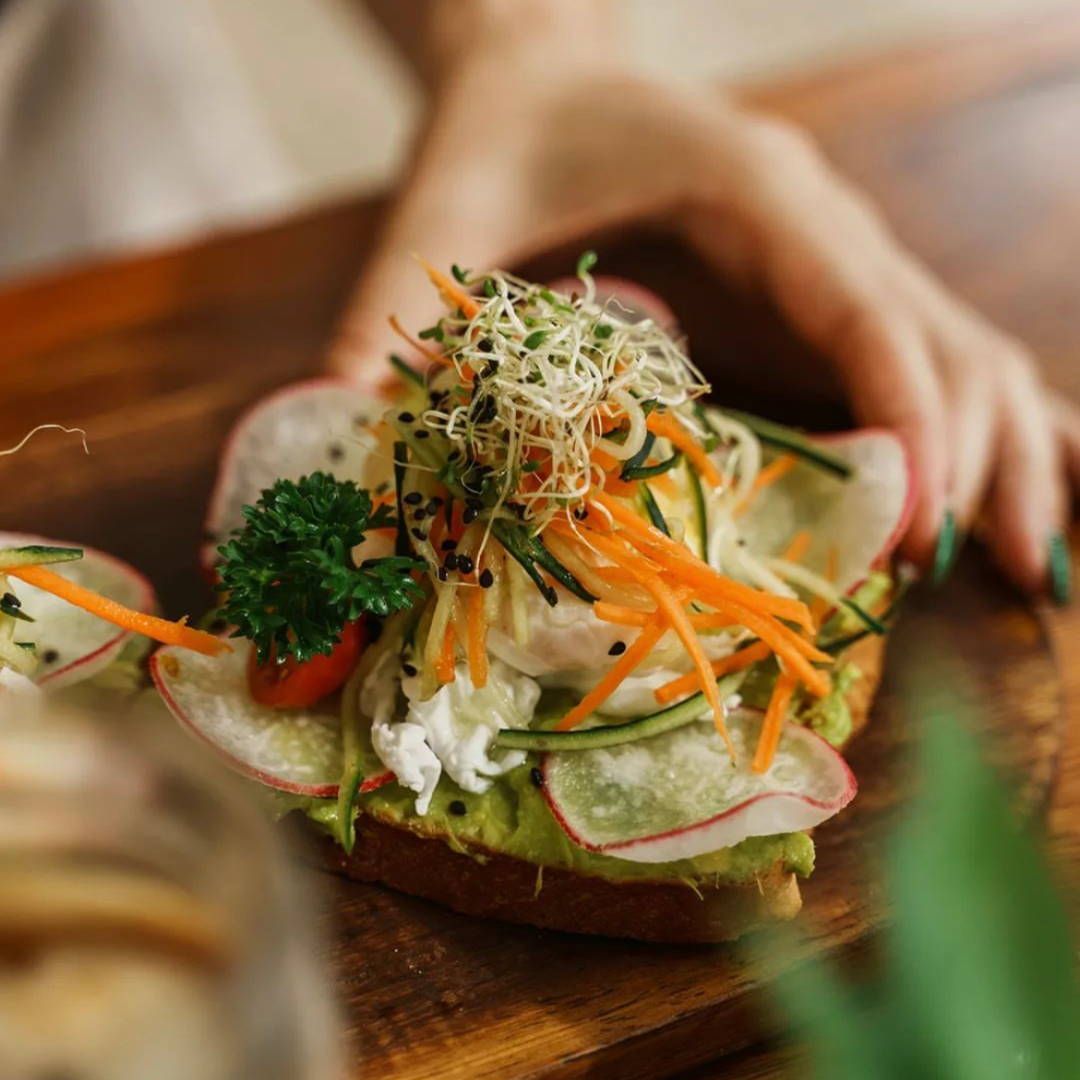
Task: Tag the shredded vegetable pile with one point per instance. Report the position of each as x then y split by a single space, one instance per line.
540 450
549 387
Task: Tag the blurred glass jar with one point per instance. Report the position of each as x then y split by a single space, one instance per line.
149 925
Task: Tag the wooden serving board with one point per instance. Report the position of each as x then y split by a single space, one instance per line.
156 356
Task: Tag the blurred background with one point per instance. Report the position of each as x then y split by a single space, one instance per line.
283 104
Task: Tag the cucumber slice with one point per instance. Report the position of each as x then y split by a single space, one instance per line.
294 750
644 727
13 558
303 427
794 442
72 644
680 795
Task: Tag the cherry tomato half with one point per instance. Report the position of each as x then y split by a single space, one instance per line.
293 685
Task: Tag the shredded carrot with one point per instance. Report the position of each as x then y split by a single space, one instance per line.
169 633
476 636
671 604
430 354
665 483
453 295
599 456
689 567
622 615
773 724
797 547
768 476
667 427
444 665
737 661
621 489
615 574
775 470
637 651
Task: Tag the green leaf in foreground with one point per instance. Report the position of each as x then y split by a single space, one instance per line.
288 574
979 978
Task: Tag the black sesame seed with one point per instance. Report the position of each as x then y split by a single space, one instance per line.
617 649
50 656
487 579
408 671
419 534
451 561
470 515
422 434
9 599
485 345
419 514
474 504
580 513
465 564
449 544
335 452
406 417
442 574
537 777
433 504
413 498
457 808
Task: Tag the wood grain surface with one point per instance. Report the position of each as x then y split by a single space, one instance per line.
970 147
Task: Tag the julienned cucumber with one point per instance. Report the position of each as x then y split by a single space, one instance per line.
701 519
645 727
785 438
36 555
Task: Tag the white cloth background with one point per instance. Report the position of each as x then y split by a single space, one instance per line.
132 123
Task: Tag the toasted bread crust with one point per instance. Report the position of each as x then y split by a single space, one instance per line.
499 886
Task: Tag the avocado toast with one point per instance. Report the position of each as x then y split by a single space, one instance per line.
545 637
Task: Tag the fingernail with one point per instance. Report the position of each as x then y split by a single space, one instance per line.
948 547
1060 568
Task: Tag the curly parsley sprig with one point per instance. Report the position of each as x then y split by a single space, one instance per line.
288 572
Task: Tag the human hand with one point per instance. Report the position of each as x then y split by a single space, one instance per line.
557 158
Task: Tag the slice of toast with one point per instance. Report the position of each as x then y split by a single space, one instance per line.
494 885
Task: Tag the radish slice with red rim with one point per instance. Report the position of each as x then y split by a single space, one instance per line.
71 644
861 519
305 427
631 301
679 795
295 750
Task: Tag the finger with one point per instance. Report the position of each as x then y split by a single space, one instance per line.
1029 493
971 412
892 382
394 284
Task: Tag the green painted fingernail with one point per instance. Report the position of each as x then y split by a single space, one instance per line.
1060 565
948 547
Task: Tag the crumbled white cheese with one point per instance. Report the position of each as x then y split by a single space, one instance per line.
452 730
403 749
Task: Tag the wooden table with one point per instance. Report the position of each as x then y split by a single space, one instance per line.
970 147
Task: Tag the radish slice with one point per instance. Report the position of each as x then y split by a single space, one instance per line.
304 427
678 795
633 302
862 518
298 751
72 644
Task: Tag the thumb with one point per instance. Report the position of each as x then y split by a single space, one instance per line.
395 284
